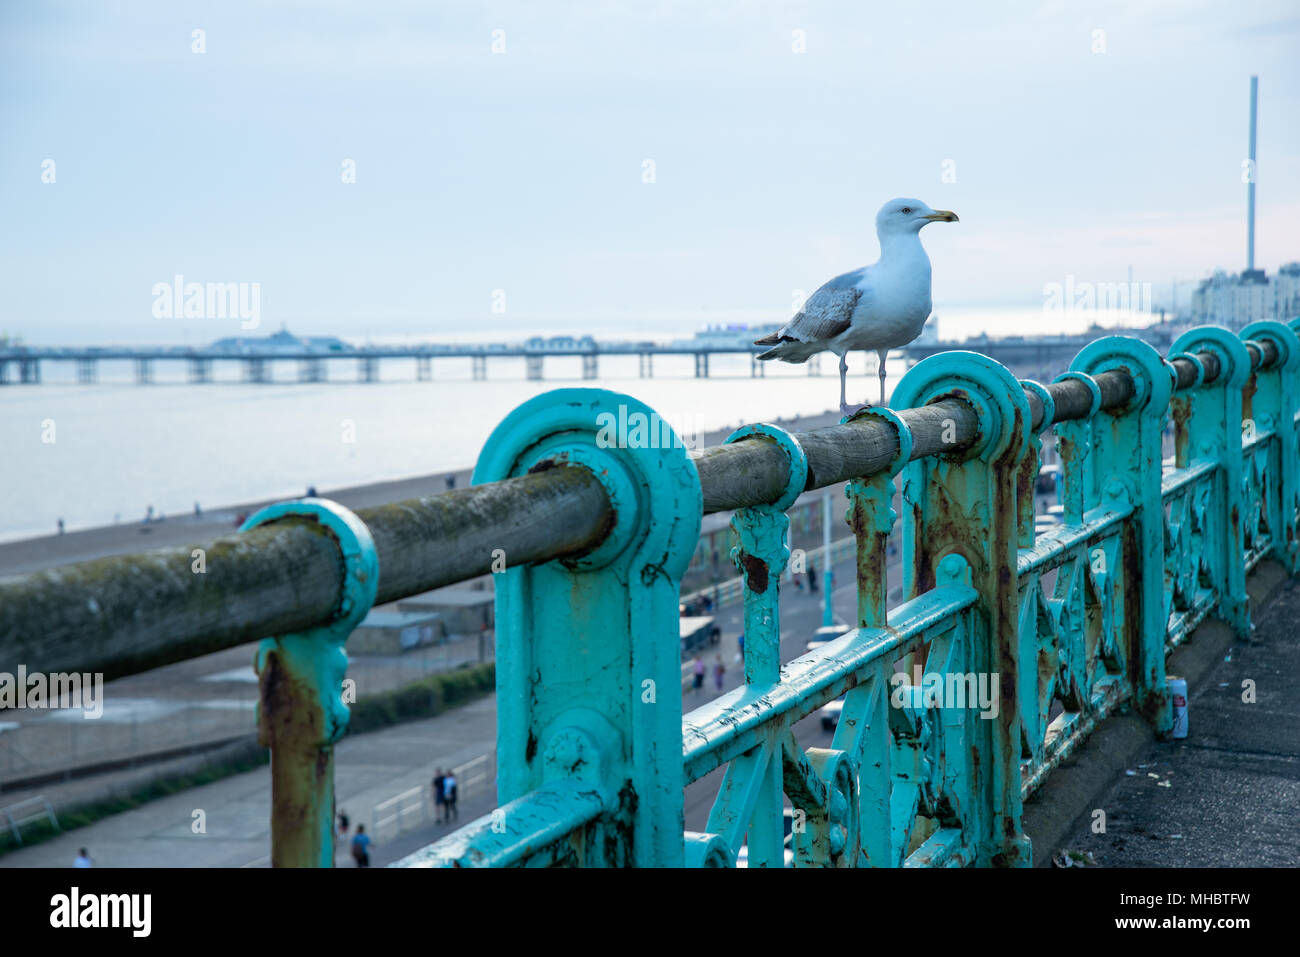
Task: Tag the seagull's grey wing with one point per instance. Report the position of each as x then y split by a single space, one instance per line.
827 311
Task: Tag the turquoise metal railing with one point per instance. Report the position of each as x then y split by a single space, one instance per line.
1007 649
1071 625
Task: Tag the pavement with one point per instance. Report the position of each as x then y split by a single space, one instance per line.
1226 795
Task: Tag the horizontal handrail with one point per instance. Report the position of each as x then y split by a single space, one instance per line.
126 614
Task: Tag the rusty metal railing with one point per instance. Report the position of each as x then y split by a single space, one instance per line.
573 517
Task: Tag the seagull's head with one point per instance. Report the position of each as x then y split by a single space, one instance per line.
908 216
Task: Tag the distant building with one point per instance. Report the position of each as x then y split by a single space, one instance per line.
736 335
279 343
1237 300
560 343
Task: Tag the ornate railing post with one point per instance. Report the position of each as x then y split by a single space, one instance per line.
751 795
866 708
966 505
1123 470
762 556
871 515
1273 407
1074 449
589 733
1211 419
300 676
1032 462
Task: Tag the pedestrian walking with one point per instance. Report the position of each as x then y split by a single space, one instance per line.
361 847
812 577
449 795
439 802
719 669
344 824
83 859
697 664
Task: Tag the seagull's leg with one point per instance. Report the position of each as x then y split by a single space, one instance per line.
844 371
882 353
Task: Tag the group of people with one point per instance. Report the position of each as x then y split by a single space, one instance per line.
444 795
444 799
719 670
360 840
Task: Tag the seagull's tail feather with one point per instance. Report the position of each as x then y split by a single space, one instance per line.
788 349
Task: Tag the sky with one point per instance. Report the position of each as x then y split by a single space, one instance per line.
564 166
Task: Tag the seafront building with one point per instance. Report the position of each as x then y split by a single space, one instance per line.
1249 296
279 343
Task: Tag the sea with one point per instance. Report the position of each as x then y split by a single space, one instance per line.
101 453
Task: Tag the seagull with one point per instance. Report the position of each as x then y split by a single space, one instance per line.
880 307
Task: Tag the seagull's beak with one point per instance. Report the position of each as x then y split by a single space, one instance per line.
943 216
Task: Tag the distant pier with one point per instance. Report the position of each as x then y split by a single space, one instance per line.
22 364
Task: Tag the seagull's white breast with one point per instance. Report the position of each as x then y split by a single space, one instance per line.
895 301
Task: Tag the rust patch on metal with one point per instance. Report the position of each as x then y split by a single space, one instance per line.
545 465
1180 409
755 572
292 724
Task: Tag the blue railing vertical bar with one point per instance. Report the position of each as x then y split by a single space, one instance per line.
300 712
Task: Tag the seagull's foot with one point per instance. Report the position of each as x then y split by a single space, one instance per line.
849 410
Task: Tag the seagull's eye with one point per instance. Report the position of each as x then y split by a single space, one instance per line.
906 209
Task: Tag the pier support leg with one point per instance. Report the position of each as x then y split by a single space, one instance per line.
257 370
311 370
